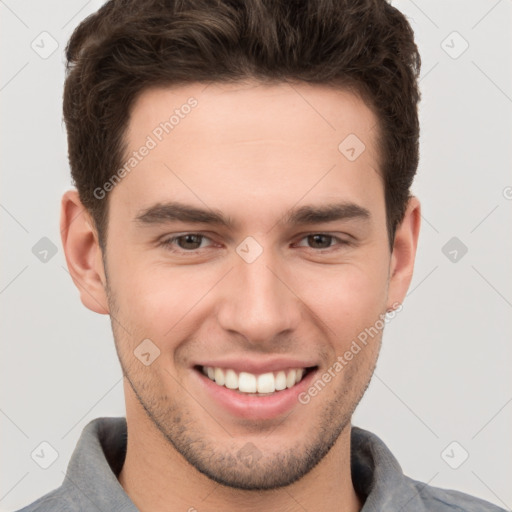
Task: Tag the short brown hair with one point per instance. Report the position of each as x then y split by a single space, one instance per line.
127 46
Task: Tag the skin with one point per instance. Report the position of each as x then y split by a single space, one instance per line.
253 152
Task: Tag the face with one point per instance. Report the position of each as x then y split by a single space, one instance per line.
244 244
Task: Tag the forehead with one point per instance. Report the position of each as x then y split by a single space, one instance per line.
247 107
239 144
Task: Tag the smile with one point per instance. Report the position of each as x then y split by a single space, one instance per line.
249 383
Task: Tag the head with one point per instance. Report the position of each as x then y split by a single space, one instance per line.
285 135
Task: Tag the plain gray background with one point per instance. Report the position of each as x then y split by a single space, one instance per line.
444 371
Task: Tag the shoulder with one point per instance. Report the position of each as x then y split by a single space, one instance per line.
54 501
441 500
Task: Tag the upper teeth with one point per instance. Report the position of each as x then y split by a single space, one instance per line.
250 383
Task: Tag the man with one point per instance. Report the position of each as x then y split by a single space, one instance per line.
243 215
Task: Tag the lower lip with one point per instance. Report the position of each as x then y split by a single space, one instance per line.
255 407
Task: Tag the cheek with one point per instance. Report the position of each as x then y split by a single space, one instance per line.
347 298
158 300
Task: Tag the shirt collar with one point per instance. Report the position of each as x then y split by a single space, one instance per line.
91 477
378 478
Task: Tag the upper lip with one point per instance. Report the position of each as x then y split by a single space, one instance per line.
258 366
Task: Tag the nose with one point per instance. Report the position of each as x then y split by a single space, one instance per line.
258 302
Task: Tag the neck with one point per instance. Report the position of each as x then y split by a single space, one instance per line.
158 479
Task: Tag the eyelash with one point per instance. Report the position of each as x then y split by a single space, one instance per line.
168 243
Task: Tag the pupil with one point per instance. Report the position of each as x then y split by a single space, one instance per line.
190 239
317 239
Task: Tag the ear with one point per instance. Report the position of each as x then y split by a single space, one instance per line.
404 253
83 253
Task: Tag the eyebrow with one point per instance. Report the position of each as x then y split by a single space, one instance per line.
309 214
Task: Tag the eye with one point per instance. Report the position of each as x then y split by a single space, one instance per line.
190 242
187 242
321 241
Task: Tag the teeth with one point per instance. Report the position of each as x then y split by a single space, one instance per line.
249 383
219 376
231 379
290 378
246 382
280 381
266 383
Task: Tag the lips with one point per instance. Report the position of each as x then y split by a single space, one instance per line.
263 388
249 405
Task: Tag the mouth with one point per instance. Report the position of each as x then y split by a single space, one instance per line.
259 385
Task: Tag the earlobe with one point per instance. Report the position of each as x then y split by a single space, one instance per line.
83 253
404 253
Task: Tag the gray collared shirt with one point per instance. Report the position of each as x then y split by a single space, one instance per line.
91 480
